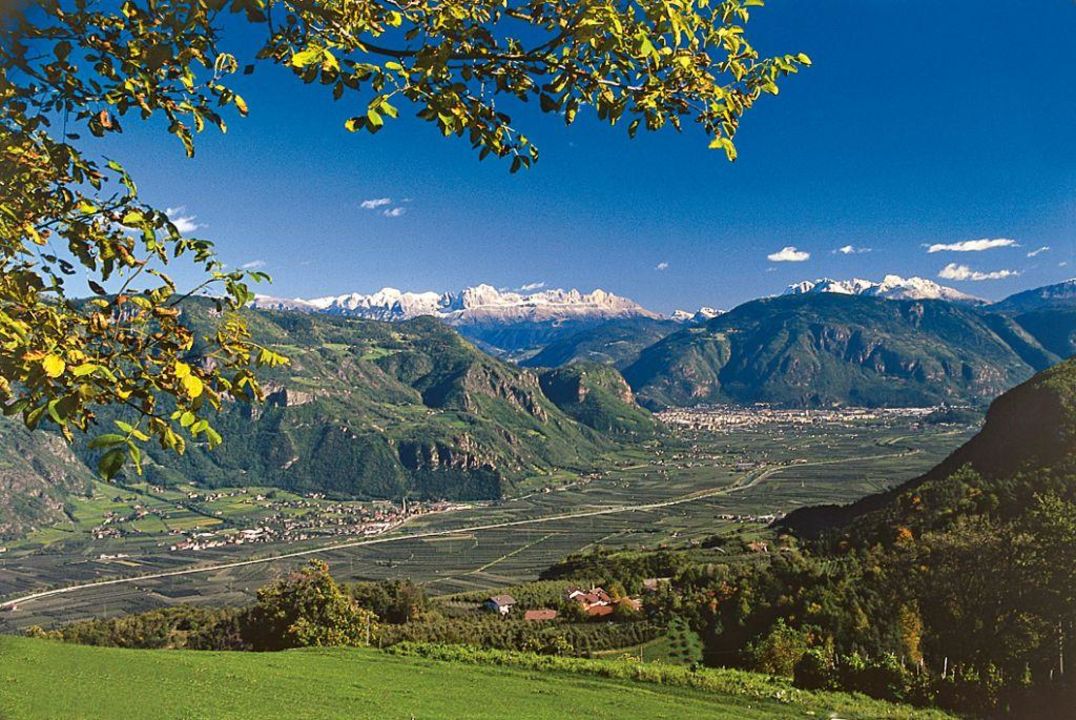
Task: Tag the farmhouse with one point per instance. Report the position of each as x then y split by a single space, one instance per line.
500 604
540 615
588 598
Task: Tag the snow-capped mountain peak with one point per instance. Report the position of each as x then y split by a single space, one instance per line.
474 304
699 316
892 287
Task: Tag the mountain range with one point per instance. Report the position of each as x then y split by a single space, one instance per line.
370 408
831 348
502 322
846 342
520 324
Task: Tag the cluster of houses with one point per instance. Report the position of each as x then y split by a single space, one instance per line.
289 519
595 603
336 519
719 417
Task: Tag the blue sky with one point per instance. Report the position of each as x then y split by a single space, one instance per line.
921 123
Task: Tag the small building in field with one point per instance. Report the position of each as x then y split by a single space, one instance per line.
500 604
540 615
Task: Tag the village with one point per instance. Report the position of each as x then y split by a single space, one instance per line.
725 417
219 518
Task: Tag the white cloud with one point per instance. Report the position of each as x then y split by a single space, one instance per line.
662 266
852 250
253 265
394 212
972 245
185 224
789 254
532 286
1040 251
375 203
1063 263
952 271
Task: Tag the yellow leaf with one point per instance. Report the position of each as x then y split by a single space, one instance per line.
53 366
132 217
182 369
192 385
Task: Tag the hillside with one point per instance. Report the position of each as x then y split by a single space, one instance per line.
616 342
372 409
1054 328
357 684
835 349
37 471
597 396
1026 446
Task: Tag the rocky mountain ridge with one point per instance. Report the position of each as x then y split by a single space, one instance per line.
470 305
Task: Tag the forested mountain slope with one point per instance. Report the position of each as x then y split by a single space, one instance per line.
831 349
373 409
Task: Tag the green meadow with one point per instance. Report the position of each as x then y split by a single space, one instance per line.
41 680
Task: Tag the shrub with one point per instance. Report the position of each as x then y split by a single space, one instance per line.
816 670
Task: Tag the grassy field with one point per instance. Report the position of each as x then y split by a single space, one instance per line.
360 684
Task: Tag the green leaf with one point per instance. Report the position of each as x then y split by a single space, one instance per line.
107 440
131 430
135 454
214 437
111 462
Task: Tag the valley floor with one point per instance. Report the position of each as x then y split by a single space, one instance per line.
360 684
697 484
